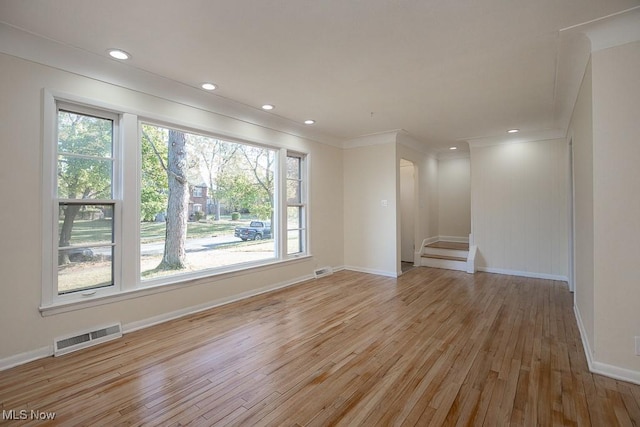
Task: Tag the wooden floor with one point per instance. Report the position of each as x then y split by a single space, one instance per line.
433 347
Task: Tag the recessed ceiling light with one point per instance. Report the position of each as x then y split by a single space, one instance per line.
513 131
309 122
453 148
208 86
268 107
119 54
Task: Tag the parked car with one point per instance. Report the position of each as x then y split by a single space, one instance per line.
257 230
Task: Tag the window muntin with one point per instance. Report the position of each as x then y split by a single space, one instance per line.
84 220
177 238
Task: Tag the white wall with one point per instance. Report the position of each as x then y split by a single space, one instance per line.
454 198
581 133
616 204
426 170
519 208
370 222
24 331
408 200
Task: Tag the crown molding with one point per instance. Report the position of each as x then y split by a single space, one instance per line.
611 30
404 138
521 137
35 48
380 138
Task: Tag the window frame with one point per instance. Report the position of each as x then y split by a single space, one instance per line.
126 176
213 271
302 205
52 106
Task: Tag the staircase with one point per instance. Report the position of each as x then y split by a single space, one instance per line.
449 255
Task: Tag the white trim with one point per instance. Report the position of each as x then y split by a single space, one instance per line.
615 372
523 274
583 337
380 138
127 282
49 165
165 317
518 138
471 259
52 105
611 30
405 139
600 368
429 240
42 352
151 290
21 44
26 357
372 271
571 215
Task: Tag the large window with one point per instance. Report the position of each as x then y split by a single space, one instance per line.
133 204
85 202
176 236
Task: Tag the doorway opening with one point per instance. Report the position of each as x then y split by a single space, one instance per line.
408 196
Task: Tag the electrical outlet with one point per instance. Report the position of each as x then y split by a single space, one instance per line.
384 203
637 346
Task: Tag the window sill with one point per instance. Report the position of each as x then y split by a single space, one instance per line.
142 291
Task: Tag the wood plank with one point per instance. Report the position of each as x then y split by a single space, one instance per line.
459 246
430 347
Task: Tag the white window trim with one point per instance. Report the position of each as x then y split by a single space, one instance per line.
127 170
51 104
304 203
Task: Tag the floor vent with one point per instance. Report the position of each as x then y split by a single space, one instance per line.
321 272
86 339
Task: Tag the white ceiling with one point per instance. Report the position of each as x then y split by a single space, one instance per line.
444 71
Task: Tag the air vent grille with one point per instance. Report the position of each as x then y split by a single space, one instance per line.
69 342
321 272
86 339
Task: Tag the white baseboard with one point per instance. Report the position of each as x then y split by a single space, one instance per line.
600 368
145 323
583 337
615 372
430 240
372 271
28 356
22 358
524 274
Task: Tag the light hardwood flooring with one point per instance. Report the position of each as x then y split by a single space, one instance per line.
433 347
450 245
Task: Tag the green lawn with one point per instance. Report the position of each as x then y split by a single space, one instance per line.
99 230
155 231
